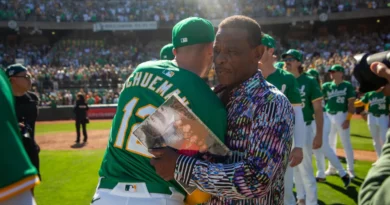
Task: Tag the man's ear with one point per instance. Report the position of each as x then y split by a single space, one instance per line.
259 51
174 51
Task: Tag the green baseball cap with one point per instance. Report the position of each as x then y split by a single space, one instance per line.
337 68
191 31
297 55
268 41
14 69
166 52
313 72
279 65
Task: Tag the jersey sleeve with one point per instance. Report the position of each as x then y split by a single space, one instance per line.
17 174
365 97
324 89
350 92
316 93
293 94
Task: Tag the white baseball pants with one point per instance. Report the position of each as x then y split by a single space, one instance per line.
305 182
328 152
303 174
378 127
336 122
119 196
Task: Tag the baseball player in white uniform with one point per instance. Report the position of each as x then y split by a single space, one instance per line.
340 97
378 117
326 150
311 96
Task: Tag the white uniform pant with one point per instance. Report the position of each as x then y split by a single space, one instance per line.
303 173
378 127
328 152
336 122
119 196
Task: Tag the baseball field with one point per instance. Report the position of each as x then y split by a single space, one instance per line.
70 171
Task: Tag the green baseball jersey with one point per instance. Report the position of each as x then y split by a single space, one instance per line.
17 174
378 103
126 159
286 82
337 96
310 92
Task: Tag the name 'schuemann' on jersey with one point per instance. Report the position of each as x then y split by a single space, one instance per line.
126 159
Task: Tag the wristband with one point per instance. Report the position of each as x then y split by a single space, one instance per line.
349 116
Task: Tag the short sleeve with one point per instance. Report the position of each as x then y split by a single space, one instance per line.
293 93
315 91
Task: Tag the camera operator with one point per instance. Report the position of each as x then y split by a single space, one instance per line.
375 189
26 108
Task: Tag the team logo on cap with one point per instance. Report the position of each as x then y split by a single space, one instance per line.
184 40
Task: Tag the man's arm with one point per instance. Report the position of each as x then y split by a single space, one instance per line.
375 189
319 118
294 96
269 144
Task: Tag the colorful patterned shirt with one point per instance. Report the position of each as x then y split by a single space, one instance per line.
260 129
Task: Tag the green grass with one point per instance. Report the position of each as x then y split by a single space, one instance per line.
68 177
42 129
360 136
333 191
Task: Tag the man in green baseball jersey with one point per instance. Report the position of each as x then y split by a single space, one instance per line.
326 150
166 52
340 97
288 85
311 102
126 173
375 188
17 174
378 117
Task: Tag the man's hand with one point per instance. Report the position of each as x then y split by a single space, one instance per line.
165 162
345 124
296 156
382 71
317 142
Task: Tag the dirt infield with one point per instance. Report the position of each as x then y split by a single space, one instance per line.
64 121
97 139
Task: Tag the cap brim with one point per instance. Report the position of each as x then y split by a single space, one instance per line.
284 55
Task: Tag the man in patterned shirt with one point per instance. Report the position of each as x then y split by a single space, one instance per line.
260 127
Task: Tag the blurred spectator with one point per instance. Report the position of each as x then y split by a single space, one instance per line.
169 11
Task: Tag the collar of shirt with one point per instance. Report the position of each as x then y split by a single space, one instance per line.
248 87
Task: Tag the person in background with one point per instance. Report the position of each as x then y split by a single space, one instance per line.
325 149
340 97
90 100
288 85
378 117
80 109
375 188
18 176
166 52
311 95
26 108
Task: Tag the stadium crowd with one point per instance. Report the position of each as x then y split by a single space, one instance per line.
170 11
60 71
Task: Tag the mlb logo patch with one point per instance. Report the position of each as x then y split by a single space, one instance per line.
184 40
131 188
168 73
11 73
